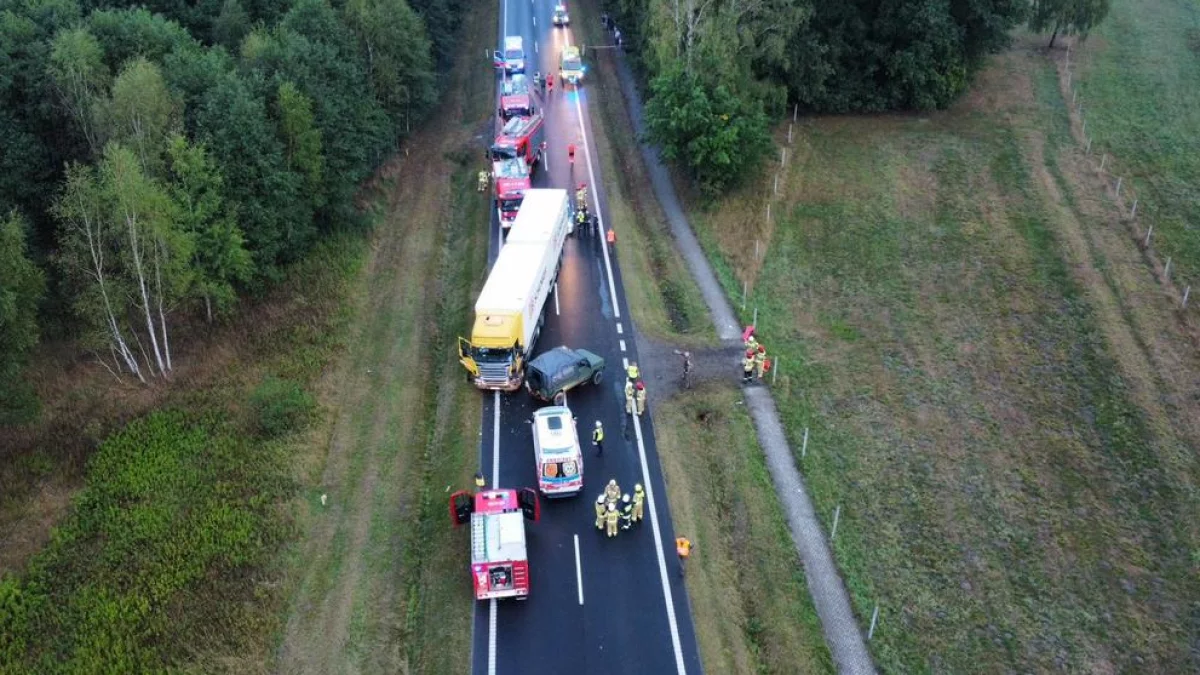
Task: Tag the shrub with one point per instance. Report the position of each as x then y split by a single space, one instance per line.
280 406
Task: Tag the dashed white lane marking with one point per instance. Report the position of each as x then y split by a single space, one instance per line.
587 155
556 313
620 329
578 570
658 549
625 362
495 482
535 21
535 48
622 344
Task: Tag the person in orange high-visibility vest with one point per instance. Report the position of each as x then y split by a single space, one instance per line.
683 548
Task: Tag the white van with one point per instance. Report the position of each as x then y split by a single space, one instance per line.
513 55
557 453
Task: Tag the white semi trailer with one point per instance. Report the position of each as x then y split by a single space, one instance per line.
509 311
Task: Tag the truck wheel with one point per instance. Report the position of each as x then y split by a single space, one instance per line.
597 376
560 398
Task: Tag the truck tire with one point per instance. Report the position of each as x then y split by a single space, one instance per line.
597 376
560 397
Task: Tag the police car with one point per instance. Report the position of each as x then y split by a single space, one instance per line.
556 452
561 18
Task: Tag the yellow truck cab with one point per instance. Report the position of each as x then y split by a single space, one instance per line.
570 67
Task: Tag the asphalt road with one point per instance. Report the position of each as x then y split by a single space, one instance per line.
596 605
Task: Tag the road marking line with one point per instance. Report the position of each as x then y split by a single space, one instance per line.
622 344
587 155
578 570
556 299
625 362
658 548
535 48
620 329
492 638
495 482
535 21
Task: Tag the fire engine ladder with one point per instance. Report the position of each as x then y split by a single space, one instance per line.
478 539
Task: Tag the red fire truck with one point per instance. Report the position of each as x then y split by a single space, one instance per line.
511 180
499 562
522 136
515 98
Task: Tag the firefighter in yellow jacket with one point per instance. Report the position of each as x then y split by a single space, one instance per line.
629 397
600 512
748 366
640 395
612 492
610 520
639 502
760 360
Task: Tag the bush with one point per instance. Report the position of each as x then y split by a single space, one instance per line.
719 136
280 406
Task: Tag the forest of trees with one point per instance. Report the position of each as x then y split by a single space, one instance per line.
718 68
163 159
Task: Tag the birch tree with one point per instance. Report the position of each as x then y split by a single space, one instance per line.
139 113
80 77
87 259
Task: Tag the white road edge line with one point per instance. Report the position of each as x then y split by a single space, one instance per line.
622 344
578 570
658 549
556 313
637 426
495 482
587 156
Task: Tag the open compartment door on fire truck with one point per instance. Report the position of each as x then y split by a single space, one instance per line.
462 505
465 358
527 498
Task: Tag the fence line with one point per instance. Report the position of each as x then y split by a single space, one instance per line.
1143 238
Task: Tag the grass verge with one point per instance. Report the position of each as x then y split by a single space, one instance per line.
995 395
751 605
378 583
717 483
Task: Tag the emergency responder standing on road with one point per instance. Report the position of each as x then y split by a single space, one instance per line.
581 197
639 502
629 397
612 492
571 153
748 366
484 180
600 511
626 512
640 388
610 519
479 482
632 370
760 360
598 438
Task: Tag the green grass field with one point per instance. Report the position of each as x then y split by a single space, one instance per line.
998 394
1137 76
